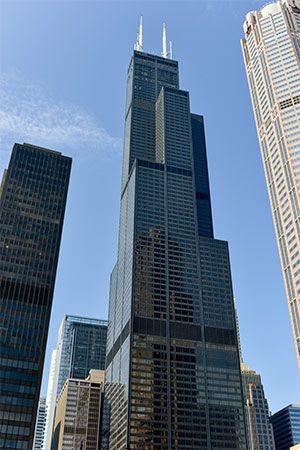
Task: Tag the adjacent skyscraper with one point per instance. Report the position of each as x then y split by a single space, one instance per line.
173 374
32 205
259 426
81 347
286 425
271 49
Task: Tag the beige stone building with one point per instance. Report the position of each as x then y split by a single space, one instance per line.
78 411
271 49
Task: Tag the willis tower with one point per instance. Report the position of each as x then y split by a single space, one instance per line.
172 364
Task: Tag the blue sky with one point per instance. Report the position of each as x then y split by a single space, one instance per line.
62 85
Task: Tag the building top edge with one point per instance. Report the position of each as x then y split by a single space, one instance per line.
87 320
38 147
153 57
271 8
292 405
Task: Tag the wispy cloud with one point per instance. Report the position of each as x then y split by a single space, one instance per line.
28 113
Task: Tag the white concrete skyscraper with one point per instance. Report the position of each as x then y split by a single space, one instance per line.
271 50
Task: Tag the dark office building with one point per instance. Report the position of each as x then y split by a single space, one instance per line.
173 374
286 427
32 206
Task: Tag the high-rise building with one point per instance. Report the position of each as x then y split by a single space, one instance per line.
172 369
271 49
78 413
286 426
32 206
50 400
40 424
259 426
81 347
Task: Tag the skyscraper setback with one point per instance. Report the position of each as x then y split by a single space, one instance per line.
32 205
271 49
173 375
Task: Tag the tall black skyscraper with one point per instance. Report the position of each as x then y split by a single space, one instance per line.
32 205
173 373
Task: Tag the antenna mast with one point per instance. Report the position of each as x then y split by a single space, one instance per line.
141 34
164 52
139 40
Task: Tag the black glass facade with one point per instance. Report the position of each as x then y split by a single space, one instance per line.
172 365
32 205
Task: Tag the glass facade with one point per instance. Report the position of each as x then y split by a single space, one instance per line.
32 205
271 50
286 426
172 366
81 347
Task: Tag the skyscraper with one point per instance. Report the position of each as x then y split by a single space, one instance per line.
259 426
286 425
39 433
32 205
173 375
271 50
81 347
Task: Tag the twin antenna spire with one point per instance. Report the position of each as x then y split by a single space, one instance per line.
139 41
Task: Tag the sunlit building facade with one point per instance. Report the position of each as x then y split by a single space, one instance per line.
78 413
271 49
32 206
172 367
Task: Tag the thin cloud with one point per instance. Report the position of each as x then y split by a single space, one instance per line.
29 114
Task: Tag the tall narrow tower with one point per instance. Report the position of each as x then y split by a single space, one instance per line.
271 50
173 374
32 206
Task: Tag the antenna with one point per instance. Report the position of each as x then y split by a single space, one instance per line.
141 34
139 37
136 42
164 52
171 50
